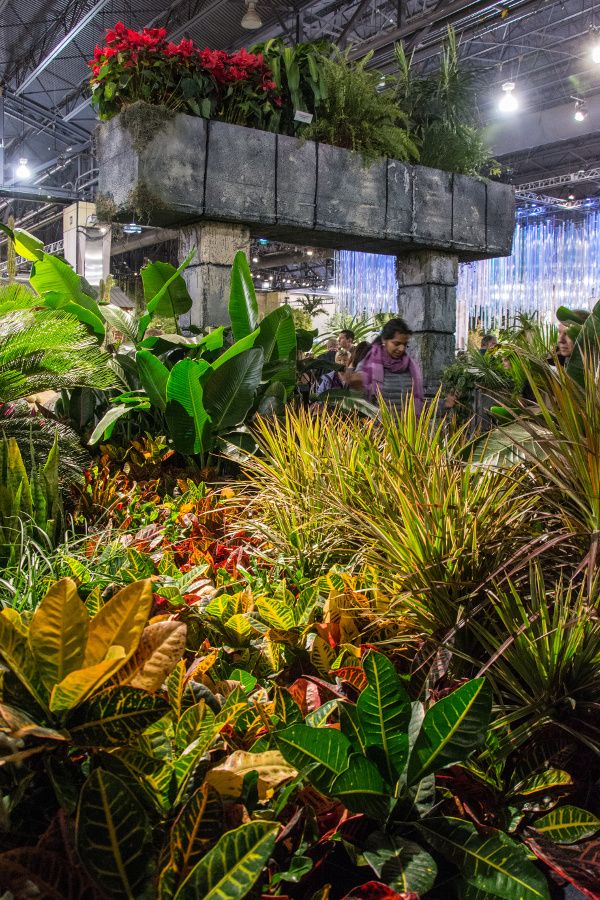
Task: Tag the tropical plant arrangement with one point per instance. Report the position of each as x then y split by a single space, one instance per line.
349 104
368 667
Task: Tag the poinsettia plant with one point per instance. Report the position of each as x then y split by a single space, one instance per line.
145 65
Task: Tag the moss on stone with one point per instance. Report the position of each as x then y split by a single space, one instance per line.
143 122
106 208
143 203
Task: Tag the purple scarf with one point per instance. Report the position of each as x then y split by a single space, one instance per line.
377 361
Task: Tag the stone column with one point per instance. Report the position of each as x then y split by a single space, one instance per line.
427 282
207 277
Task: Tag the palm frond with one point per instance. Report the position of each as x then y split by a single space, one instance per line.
44 349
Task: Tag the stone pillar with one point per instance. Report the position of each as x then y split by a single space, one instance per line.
207 277
86 245
427 282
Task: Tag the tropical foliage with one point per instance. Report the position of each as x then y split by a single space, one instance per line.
310 90
368 667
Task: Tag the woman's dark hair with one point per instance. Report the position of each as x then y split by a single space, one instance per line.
360 351
347 334
394 326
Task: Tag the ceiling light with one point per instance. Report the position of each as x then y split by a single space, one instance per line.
309 252
255 259
580 111
23 172
571 197
251 20
508 102
266 285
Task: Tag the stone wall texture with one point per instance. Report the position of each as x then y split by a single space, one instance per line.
192 169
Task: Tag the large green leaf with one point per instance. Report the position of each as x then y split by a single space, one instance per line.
114 716
162 343
87 312
452 728
105 426
490 863
403 865
246 343
186 413
120 622
362 788
199 825
53 277
277 336
229 391
26 244
384 712
112 835
324 751
153 376
567 824
165 290
233 866
58 632
243 308
15 651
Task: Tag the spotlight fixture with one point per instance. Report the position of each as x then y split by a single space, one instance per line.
508 102
595 48
266 285
23 172
309 252
132 228
251 20
580 111
571 197
255 259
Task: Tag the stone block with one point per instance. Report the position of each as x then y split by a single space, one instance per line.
209 288
428 307
157 180
468 212
215 242
240 174
296 182
426 267
434 352
400 191
500 218
350 195
432 219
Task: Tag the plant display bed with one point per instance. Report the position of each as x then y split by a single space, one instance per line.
170 170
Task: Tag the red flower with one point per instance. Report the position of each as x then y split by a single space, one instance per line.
186 48
116 33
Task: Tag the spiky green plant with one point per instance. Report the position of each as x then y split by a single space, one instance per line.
356 115
542 644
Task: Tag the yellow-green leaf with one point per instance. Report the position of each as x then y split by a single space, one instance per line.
14 649
58 632
120 622
567 824
228 777
81 684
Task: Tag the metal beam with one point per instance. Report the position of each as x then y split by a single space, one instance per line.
31 192
70 36
351 21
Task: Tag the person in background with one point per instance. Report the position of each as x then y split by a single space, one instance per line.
335 381
488 342
388 370
358 354
565 344
332 348
346 339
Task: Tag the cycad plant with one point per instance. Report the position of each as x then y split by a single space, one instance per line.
356 115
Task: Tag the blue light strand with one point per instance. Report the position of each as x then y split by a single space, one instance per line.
555 262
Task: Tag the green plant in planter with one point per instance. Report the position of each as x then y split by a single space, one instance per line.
300 79
440 109
354 114
382 763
